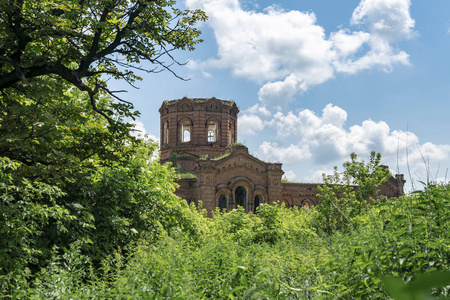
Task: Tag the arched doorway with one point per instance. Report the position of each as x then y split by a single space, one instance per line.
259 199
240 195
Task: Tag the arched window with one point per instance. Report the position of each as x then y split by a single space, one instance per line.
223 203
232 135
241 197
307 203
212 132
166 133
258 201
185 132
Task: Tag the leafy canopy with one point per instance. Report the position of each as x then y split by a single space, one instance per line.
67 177
71 172
84 41
344 196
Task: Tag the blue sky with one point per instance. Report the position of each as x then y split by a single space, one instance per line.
316 80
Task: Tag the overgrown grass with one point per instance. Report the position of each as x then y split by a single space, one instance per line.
278 253
185 175
231 150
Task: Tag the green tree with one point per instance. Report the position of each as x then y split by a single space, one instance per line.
68 176
83 41
367 176
70 171
51 130
64 142
346 195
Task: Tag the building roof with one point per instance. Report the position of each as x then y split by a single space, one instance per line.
169 103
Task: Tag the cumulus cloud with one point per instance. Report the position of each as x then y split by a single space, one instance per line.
259 110
306 123
288 51
324 139
250 124
347 43
317 175
291 154
387 19
290 175
260 46
279 94
139 131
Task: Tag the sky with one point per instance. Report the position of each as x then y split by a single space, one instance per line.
316 80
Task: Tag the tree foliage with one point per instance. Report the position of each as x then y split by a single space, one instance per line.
399 250
346 195
71 171
54 134
68 176
85 41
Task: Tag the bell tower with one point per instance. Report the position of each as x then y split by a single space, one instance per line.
193 127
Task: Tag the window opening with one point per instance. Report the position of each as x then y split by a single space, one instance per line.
212 132
223 203
186 132
232 137
241 197
258 201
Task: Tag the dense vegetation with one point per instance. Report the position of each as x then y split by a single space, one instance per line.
86 213
397 247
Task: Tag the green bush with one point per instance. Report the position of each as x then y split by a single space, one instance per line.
393 248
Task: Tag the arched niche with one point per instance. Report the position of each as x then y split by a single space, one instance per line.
166 133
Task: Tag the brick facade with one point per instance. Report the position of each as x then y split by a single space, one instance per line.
196 116
200 133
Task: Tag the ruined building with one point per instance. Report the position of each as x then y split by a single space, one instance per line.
199 136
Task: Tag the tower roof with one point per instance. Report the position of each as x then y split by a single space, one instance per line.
198 102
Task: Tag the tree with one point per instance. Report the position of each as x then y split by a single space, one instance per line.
54 134
70 171
51 144
67 177
345 195
83 41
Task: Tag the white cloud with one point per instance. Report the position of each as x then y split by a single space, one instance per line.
306 123
385 60
140 131
139 128
291 154
327 140
317 175
290 175
388 19
250 124
279 94
288 52
334 115
347 43
206 74
258 109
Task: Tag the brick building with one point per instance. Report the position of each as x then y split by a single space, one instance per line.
199 135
